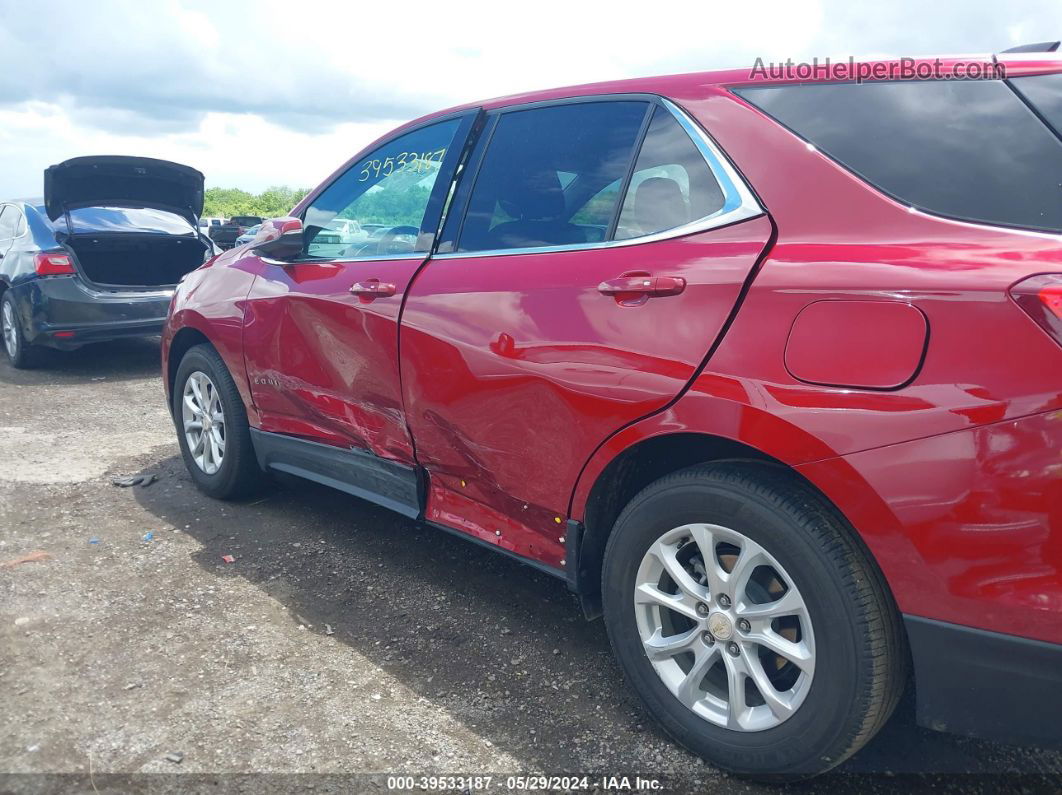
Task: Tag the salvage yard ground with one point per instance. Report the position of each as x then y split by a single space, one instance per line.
341 639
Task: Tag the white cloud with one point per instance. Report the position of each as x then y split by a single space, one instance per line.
260 93
238 150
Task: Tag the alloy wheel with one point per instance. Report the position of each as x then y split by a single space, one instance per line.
724 627
204 422
10 330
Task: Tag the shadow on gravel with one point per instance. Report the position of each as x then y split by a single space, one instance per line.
118 360
505 649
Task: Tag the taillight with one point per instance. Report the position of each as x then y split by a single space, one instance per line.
49 263
1041 298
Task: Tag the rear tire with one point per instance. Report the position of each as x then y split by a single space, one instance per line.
726 696
21 354
218 453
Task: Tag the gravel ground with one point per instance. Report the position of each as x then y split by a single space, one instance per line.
343 640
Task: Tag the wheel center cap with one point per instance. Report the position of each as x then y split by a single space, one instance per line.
720 626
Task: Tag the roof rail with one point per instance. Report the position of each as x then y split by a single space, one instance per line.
1043 46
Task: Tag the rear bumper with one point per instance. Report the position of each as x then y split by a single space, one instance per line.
63 312
985 684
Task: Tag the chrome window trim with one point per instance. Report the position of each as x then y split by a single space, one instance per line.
739 205
367 258
417 255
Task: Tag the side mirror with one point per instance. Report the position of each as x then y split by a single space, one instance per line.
279 238
276 227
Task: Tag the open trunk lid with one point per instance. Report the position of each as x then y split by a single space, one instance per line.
119 181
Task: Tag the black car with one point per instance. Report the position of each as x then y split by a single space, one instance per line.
99 257
225 235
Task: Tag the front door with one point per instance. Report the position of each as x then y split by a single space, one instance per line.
321 332
602 247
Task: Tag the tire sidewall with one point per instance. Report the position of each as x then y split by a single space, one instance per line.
220 483
801 743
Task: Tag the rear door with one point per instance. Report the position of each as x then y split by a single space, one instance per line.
321 332
582 277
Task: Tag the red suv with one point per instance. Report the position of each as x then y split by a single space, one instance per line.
768 372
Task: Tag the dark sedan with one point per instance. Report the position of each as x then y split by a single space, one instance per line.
98 258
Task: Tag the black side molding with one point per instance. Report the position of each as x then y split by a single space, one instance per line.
986 684
356 472
401 488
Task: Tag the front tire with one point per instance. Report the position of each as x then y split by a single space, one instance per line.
750 620
212 426
20 353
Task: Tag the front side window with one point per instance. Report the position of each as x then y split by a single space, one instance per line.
377 207
545 176
966 149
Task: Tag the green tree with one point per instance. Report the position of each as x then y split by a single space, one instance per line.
270 203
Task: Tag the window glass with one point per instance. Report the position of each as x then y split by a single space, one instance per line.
7 222
671 184
1043 92
545 176
377 206
127 219
964 148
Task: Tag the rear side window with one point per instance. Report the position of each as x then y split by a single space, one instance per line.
127 219
970 150
546 175
1043 92
8 219
671 184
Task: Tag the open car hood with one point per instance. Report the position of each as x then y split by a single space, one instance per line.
119 181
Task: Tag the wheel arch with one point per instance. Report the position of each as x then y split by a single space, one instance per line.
183 341
646 461
187 328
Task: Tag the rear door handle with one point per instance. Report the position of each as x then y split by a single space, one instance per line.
643 285
372 288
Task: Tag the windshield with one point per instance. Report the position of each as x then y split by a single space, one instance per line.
127 219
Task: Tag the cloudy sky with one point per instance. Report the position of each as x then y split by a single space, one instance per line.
265 93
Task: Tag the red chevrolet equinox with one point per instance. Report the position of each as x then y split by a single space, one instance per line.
768 371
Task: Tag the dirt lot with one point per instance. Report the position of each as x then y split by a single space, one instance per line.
342 640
